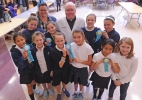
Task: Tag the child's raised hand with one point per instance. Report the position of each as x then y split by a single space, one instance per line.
64 51
105 34
46 43
25 54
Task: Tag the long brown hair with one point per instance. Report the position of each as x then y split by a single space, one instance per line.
128 41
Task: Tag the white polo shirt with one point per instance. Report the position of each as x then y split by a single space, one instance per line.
22 50
100 69
81 52
128 68
41 60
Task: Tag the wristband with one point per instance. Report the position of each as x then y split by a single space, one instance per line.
62 60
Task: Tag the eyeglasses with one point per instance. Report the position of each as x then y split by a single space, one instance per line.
70 10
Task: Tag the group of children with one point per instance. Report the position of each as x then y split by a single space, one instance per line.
54 63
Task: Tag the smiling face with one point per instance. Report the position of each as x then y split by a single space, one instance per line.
107 49
90 21
70 11
125 48
20 41
32 25
78 38
38 40
59 41
51 28
108 25
43 11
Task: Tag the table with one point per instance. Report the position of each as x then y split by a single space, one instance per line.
132 9
9 26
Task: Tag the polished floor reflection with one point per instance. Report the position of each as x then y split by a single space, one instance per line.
131 30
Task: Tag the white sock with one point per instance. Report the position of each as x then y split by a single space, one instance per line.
75 92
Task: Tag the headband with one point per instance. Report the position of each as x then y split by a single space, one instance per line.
110 18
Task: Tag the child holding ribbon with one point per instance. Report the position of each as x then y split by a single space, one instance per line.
51 27
128 63
92 33
61 65
25 68
42 63
104 64
109 31
82 59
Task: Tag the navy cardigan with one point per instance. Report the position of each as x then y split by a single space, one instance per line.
48 59
23 65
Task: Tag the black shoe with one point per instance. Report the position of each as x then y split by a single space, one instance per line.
88 83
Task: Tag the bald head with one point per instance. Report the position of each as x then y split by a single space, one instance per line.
70 10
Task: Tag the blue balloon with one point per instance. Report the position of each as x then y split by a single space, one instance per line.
27 48
68 47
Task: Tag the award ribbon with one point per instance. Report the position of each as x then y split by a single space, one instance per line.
99 34
49 41
106 61
68 47
27 48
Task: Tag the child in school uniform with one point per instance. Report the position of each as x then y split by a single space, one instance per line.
25 69
61 65
110 32
128 63
82 59
51 27
90 33
42 63
32 23
101 76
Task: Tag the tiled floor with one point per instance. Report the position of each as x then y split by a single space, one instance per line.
131 30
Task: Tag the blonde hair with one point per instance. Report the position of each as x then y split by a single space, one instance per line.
128 41
38 33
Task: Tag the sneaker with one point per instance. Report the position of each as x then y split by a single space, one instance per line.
88 83
37 92
75 96
110 98
66 92
45 95
80 96
59 97
51 92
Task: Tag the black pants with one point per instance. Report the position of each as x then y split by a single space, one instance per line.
123 90
34 3
58 6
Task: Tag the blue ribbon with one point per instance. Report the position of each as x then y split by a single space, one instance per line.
106 61
68 47
49 41
99 34
27 48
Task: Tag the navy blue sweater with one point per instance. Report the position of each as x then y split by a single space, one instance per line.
28 34
22 64
113 35
48 59
91 36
